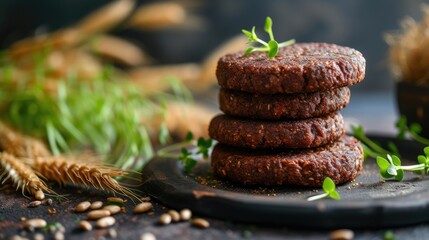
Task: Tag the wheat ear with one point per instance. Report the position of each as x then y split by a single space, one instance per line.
21 176
84 171
20 145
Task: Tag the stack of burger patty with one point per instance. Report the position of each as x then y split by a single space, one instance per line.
281 123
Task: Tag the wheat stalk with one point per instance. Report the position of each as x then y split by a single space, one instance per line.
20 145
21 175
82 171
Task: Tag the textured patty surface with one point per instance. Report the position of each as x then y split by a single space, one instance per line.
256 134
341 161
299 68
282 106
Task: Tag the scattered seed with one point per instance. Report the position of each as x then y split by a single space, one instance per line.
34 203
59 236
200 223
143 207
151 213
123 209
49 201
147 236
35 223
185 214
52 211
61 228
96 205
341 234
96 214
164 219
39 236
145 199
175 216
82 207
113 233
39 195
113 209
116 200
85 225
105 222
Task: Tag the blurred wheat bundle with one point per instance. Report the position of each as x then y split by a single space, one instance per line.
61 95
409 54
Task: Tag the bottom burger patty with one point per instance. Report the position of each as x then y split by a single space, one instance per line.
341 161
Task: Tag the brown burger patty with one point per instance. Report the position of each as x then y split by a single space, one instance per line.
299 68
282 106
255 134
341 161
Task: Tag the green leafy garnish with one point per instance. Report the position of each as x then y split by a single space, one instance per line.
413 130
188 151
391 167
388 235
371 148
271 47
329 191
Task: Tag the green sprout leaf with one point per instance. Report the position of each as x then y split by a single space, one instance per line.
188 151
268 27
272 47
248 51
426 151
189 136
370 147
328 187
401 125
413 130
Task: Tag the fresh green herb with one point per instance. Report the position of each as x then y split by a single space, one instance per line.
388 235
58 199
371 148
391 167
329 191
188 151
246 233
272 47
102 114
413 130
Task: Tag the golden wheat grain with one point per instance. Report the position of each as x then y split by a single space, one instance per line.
21 175
83 170
19 145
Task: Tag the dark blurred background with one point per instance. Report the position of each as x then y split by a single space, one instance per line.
357 24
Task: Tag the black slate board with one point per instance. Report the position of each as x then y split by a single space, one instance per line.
368 202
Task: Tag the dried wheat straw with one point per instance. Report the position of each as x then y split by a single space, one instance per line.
82 171
21 175
19 145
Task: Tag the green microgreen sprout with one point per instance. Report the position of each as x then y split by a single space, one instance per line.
413 130
271 47
329 191
388 235
371 148
391 167
187 151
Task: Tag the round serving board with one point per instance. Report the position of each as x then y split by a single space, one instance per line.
368 202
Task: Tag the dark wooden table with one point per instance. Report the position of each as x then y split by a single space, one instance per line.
365 108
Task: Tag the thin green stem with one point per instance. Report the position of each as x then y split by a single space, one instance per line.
413 167
174 147
262 42
373 145
419 138
317 197
287 43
